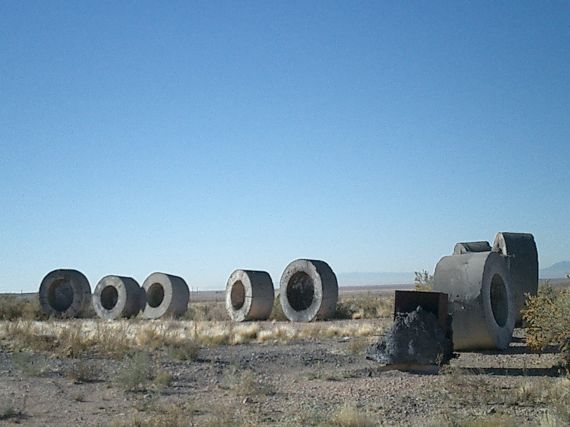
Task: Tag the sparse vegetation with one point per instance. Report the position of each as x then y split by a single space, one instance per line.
82 371
12 411
14 308
554 395
365 306
30 364
163 379
238 373
277 313
135 372
349 415
247 383
207 311
162 416
184 350
423 281
357 345
548 320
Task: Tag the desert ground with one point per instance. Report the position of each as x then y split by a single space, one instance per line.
204 371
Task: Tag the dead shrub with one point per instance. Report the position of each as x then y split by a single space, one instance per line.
135 372
185 350
423 281
349 415
20 308
82 372
247 383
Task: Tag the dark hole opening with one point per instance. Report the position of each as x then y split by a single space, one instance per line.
109 297
155 295
499 301
60 295
300 291
237 295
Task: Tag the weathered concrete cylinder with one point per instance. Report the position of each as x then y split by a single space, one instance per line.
64 293
466 247
117 296
522 261
166 295
308 290
249 295
481 299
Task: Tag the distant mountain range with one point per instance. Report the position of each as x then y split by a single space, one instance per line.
556 271
378 278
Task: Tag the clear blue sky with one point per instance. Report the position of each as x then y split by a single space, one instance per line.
199 137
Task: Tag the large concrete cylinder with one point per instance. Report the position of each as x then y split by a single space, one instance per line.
481 299
249 295
522 261
117 296
466 247
64 293
166 295
308 290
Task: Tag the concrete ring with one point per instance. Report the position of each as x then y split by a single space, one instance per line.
308 290
117 296
166 295
249 295
522 261
64 293
466 247
481 300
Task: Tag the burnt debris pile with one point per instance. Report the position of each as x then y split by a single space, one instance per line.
414 338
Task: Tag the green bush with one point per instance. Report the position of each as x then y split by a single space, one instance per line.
547 316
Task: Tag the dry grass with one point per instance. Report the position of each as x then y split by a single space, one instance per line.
136 372
13 308
365 306
555 395
247 383
162 416
349 415
82 371
466 388
207 311
358 345
180 340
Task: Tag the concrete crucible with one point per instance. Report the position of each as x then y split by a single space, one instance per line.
249 295
64 293
466 247
117 296
522 261
481 300
308 290
166 295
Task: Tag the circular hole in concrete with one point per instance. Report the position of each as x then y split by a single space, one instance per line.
499 300
237 295
300 291
60 295
155 295
109 297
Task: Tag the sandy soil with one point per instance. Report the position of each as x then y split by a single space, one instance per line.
303 382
